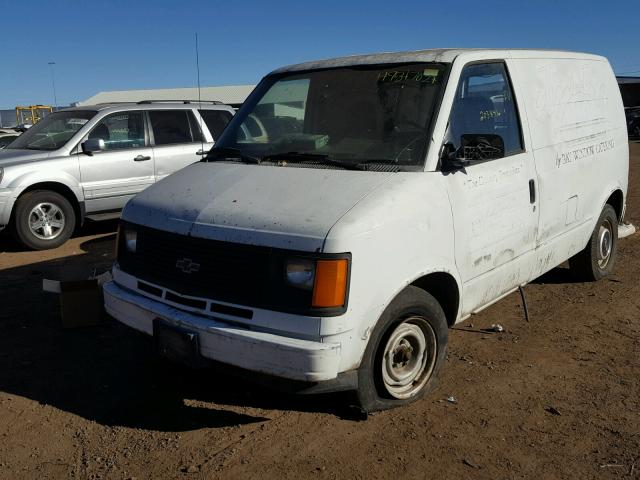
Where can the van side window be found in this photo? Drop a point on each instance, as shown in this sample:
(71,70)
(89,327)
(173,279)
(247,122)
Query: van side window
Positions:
(484,104)
(120,130)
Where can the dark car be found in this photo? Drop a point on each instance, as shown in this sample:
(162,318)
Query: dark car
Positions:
(633,121)
(7,137)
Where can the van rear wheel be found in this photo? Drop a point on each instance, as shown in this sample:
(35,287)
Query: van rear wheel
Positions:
(42,219)
(405,352)
(598,258)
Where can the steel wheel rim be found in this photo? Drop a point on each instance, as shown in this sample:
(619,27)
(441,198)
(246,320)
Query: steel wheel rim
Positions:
(605,243)
(46,221)
(409,357)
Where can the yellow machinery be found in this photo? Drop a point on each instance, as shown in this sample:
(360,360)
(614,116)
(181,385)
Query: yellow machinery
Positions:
(32,114)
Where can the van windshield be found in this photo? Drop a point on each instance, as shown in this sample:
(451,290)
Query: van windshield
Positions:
(355,116)
(53,131)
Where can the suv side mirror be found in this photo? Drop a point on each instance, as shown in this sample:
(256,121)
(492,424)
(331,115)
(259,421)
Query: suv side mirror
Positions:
(93,145)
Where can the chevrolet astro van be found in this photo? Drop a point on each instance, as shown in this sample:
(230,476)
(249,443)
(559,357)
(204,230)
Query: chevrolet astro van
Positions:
(356,208)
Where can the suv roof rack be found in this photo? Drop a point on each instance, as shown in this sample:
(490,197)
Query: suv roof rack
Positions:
(215,102)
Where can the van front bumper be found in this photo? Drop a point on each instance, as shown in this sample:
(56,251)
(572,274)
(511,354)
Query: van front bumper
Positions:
(267,353)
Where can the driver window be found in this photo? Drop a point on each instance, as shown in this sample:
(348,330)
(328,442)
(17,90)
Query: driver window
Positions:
(484,104)
(120,130)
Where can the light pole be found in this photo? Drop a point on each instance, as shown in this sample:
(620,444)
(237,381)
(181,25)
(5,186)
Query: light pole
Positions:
(53,84)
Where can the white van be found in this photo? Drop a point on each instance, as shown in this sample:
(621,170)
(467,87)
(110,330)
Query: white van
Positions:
(382,199)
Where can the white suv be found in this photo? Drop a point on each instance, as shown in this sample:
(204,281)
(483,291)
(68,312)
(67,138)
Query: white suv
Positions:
(89,161)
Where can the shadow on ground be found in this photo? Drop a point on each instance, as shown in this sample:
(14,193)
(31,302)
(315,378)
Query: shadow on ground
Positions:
(9,244)
(109,374)
(557,275)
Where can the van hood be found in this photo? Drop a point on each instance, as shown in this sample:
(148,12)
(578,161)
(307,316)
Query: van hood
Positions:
(10,156)
(280,207)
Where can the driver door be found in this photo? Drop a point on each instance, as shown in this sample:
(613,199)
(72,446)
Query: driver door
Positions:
(495,214)
(124,168)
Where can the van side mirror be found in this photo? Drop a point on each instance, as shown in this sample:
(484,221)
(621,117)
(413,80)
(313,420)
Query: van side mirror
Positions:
(93,145)
(473,148)
(479,147)
(449,160)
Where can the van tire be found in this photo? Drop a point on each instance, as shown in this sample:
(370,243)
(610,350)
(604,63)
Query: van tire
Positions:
(414,320)
(59,217)
(598,258)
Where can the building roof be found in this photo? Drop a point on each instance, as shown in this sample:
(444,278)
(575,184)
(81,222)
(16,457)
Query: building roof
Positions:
(628,80)
(231,95)
(438,55)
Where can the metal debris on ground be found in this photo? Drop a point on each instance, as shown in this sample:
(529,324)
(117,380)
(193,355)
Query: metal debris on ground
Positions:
(626,230)
(553,411)
(469,463)
(451,399)
(496,327)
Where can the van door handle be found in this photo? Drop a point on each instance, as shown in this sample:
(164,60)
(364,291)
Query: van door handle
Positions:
(532,191)
(141,158)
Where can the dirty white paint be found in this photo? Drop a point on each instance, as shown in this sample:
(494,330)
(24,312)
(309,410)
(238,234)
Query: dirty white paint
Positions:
(263,352)
(477,226)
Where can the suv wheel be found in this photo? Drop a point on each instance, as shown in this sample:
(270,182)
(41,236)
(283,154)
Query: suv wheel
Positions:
(42,220)
(405,352)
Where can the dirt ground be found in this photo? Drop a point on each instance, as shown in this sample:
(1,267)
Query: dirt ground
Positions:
(558,397)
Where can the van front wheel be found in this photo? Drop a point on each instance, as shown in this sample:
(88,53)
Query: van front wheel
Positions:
(598,258)
(405,352)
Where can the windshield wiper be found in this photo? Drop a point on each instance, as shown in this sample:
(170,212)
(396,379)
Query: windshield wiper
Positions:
(301,157)
(227,153)
(382,161)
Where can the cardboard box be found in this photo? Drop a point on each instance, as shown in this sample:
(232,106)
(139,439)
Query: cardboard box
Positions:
(81,301)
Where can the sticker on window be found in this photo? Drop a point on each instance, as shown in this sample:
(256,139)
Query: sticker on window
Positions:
(426,76)
(77,121)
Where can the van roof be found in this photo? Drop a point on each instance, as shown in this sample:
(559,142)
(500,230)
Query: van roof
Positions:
(438,55)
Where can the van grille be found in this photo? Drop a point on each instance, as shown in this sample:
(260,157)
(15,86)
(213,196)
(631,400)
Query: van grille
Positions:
(228,272)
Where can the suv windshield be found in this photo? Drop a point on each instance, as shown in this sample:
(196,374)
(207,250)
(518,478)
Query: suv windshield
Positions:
(53,131)
(350,116)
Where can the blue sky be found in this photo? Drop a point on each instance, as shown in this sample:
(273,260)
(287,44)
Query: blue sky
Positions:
(117,45)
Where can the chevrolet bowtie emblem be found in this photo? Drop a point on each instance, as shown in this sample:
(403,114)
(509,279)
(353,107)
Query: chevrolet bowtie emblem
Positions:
(187,265)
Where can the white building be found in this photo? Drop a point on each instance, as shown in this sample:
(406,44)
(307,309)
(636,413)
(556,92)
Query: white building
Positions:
(232,95)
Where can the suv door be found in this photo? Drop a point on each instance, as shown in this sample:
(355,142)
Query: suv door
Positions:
(495,213)
(124,168)
(177,140)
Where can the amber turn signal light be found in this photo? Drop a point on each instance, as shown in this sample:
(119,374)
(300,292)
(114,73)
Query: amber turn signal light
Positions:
(330,287)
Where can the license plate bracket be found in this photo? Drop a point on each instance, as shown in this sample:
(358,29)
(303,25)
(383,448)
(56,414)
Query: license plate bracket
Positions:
(177,344)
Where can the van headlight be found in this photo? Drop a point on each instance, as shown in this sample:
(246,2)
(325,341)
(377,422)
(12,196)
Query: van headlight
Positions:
(300,273)
(327,279)
(130,240)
